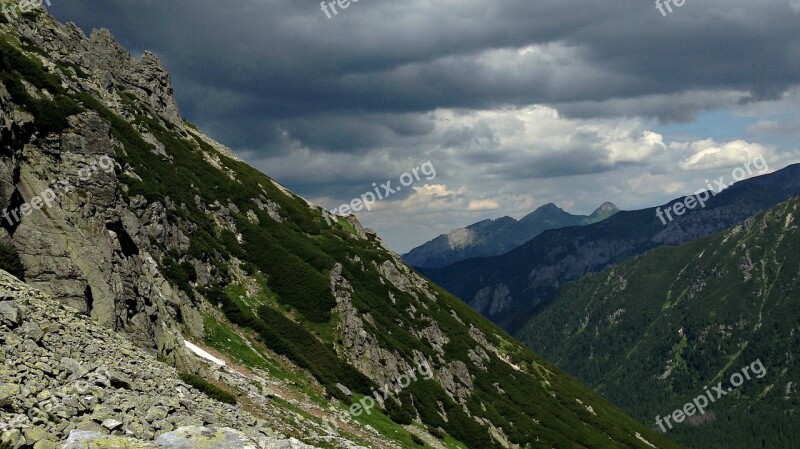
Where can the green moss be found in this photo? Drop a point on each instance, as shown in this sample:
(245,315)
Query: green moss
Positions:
(207,388)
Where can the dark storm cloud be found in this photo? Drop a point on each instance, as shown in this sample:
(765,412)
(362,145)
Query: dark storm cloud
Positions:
(271,76)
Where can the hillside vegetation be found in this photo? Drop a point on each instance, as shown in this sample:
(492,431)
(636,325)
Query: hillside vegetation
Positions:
(651,333)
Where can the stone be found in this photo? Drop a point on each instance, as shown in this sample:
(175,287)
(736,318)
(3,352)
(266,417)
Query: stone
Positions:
(156,414)
(32,331)
(35,434)
(10,314)
(112,424)
(45,444)
(7,393)
(81,439)
(192,437)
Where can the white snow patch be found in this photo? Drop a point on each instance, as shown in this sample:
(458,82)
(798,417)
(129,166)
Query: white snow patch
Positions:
(203,354)
(639,436)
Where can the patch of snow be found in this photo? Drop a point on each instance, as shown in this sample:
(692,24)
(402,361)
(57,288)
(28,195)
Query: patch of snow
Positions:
(203,354)
(639,436)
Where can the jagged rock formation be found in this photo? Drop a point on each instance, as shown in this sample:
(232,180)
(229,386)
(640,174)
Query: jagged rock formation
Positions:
(92,249)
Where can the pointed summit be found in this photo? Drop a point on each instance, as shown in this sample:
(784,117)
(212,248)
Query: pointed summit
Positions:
(605,210)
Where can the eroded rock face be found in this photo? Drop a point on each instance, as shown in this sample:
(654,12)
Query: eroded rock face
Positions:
(362,348)
(87,246)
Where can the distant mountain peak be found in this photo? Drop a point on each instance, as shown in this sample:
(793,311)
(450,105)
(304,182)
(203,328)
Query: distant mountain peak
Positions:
(605,210)
(494,237)
(547,211)
(608,205)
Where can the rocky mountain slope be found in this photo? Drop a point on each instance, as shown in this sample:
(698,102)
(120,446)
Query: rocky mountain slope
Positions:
(62,372)
(495,237)
(128,215)
(508,288)
(650,334)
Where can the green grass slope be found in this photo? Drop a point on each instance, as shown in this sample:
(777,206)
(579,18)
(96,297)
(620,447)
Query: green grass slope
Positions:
(651,333)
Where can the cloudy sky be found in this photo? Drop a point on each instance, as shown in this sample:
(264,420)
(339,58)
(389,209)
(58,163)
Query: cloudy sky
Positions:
(516,103)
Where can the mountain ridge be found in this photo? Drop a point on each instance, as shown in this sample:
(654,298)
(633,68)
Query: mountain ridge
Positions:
(494,237)
(509,288)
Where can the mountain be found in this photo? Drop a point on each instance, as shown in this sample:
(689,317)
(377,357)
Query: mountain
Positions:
(651,333)
(494,237)
(172,293)
(508,288)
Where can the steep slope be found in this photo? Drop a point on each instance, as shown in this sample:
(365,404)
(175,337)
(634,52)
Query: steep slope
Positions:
(651,333)
(494,237)
(508,288)
(131,216)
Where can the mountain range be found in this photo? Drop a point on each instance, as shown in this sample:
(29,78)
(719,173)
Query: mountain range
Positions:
(495,237)
(508,288)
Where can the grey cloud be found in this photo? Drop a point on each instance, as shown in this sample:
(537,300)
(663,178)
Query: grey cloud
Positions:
(356,96)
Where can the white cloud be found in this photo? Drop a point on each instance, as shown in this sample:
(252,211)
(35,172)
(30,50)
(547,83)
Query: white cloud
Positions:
(509,161)
(708,154)
(433,190)
(475,205)
(536,141)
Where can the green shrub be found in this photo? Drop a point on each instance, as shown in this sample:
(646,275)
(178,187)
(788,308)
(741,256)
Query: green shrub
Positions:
(51,116)
(436,432)
(11,59)
(417,440)
(397,413)
(207,388)
(292,340)
(10,261)
(181,274)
